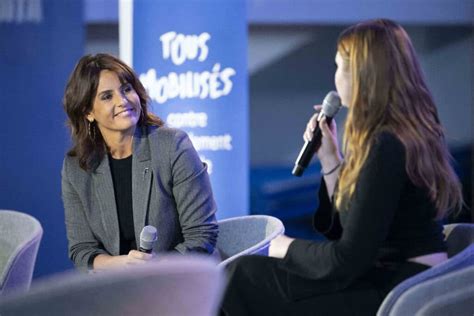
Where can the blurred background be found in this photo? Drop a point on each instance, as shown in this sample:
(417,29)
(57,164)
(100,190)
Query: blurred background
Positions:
(290,54)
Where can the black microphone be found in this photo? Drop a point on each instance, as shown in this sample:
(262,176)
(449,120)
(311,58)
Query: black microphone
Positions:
(148,237)
(331,104)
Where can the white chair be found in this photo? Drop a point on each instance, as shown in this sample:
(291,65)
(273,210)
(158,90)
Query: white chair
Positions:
(246,235)
(20,236)
(454,293)
(171,285)
(415,294)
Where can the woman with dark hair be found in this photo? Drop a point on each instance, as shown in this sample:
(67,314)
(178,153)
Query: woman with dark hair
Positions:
(127,170)
(379,207)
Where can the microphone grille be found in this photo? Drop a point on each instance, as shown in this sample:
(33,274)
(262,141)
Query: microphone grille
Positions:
(331,104)
(148,234)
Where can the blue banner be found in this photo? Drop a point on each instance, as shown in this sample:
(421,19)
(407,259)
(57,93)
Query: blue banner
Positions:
(40,42)
(191,58)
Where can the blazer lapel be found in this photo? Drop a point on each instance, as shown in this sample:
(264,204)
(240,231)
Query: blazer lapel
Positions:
(142,175)
(104,189)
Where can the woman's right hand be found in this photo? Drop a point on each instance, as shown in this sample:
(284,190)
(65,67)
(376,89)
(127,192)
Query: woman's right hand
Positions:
(103,262)
(328,152)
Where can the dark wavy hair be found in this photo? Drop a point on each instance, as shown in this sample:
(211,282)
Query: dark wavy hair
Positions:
(78,100)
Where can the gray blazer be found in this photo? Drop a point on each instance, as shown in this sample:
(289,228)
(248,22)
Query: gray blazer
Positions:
(170,189)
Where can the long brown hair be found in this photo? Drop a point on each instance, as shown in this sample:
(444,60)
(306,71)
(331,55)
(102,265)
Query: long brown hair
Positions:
(389,93)
(81,89)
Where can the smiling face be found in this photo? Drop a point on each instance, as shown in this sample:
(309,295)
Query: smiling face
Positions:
(343,80)
(116,107)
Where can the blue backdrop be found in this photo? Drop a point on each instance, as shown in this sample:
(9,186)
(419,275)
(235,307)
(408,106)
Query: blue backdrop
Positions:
(40,41)
(191,57)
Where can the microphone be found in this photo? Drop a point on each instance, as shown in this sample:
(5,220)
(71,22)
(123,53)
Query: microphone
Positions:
(331,104)
(148,236)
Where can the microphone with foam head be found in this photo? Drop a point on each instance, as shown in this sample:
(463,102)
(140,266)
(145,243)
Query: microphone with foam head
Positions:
(331,104)
(148,237)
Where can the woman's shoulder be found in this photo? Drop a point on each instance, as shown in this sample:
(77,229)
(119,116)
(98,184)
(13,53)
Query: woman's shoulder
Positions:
(70,161)
(387,147)
(386,157)
(165,134)
(71,168)
(387,136)
(388,141)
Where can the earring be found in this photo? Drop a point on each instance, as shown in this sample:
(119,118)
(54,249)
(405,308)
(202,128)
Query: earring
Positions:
(91,131)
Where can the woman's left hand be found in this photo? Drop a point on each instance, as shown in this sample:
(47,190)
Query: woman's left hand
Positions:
(279,246)
(138,255)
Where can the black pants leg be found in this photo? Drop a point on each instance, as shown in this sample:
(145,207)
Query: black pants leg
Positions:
(259,286)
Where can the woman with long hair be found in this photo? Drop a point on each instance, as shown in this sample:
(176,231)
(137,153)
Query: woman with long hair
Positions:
(379,206)
(127,170)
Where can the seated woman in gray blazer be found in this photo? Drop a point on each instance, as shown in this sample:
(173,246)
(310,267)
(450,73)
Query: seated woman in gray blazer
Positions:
(126,170)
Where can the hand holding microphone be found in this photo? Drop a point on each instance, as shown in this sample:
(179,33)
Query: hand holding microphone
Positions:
(329,148)
(318,125)
(148,237)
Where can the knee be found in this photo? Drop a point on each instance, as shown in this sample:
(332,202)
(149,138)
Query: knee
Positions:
(250,270)
(241,267)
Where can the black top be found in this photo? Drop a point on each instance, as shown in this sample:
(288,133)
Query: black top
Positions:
(121,170)
(388,219)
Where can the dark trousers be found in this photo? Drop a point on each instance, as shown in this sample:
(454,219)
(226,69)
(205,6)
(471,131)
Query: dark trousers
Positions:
(259,286)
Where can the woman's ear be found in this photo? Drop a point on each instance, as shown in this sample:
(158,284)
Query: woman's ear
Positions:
(90,117)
